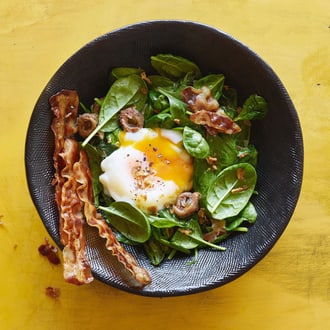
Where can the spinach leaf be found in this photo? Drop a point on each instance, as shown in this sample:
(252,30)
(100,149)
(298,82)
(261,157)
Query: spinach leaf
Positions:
(248,214)
(124,92)
(140,97)
(229,101)
(202,183)
(155,251)
(248,154)
(128,220)
(223,149)
(181,237)
(214,82)
(161,120)
(111,125)
(191,237)
(174,67)
(255,107)
(165,222)
(243,137)
(161,81)
(158,101)
(231,191)
(174,246)
(194,143)
(178,108)
(120,72)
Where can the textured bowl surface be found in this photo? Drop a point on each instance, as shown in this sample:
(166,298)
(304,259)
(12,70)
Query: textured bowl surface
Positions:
(278,139)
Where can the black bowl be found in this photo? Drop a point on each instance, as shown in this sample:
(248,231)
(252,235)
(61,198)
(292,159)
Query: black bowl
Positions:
(278,139)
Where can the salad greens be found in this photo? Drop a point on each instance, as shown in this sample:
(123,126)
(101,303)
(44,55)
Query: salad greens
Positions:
(224,164)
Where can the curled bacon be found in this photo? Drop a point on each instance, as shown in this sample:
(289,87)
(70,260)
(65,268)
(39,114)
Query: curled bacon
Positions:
(215,122)
(207,111)
(95,219)
(76,267)
(199,99)
(64,105)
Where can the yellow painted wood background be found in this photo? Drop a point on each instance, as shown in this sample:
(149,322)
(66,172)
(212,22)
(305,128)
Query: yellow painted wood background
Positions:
(288,289)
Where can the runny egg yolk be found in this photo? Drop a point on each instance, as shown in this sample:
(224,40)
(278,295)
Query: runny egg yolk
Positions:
(149,169)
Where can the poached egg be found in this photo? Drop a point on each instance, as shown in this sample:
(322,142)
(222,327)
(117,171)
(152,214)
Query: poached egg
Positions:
(149,169)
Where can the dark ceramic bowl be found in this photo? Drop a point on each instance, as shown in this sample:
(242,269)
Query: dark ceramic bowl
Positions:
(278,139)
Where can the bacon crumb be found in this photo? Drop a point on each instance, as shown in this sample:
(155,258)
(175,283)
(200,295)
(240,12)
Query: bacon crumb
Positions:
(240,173)
(144,76)
(184,231)
(52,292)
(239,189)
(50,252)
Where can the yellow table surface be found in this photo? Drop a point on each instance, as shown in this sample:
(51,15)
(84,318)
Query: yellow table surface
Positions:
(288,289)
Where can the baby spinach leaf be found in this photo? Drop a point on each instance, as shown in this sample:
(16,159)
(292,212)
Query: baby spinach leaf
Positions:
(174,246)
(165,222)
(128,220)
(140,97)
(248,154)
(158,101)
(243,137)
(123,239)
(223,149)
(214,82)
(255,107)
(174,67)
(229,97)
(191,237)
(121,72)
(231,191)
(229,101)
(203,243)
(184,240)
(162,120)
(111,125)
(124,92)
(155,251)
(194,143)
(200,166)
(248,214)
(178,108)
(202,183)
(161,81)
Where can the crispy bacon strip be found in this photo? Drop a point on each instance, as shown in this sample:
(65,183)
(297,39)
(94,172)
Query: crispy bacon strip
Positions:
(76,267)
(64,105)
(95,219)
